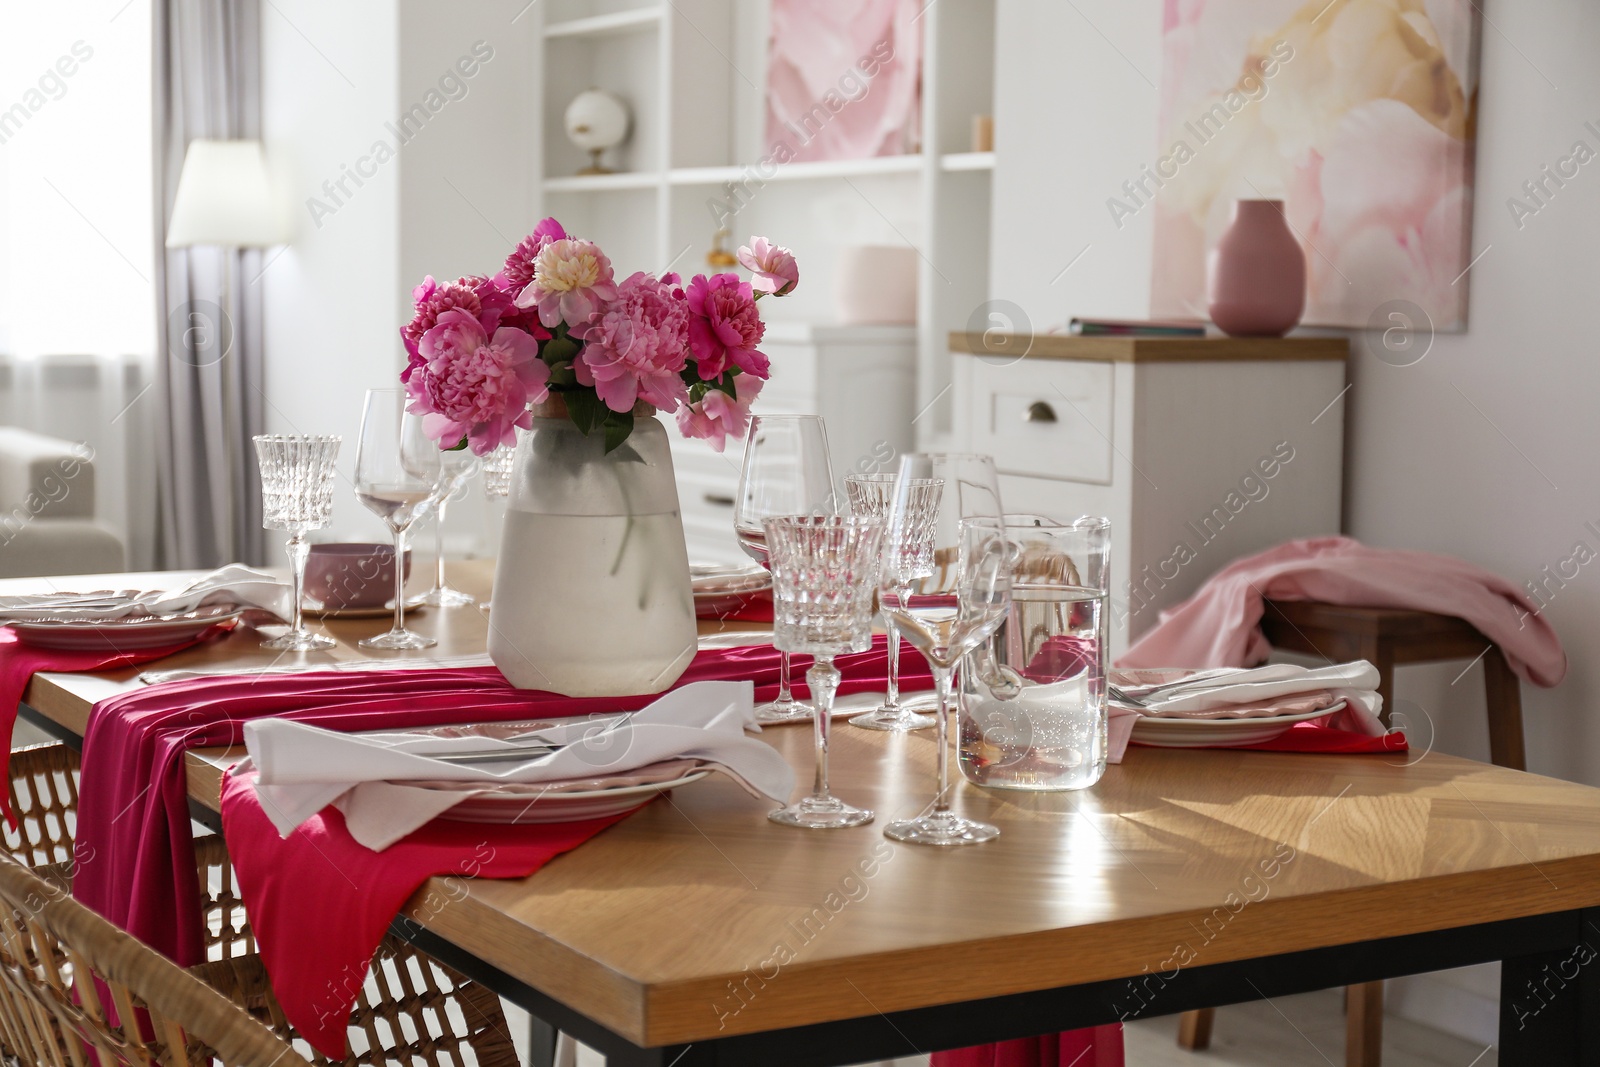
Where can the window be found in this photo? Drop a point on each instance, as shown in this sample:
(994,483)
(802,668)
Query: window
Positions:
(77,241)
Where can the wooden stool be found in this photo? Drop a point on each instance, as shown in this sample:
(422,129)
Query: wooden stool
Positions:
(1386,638)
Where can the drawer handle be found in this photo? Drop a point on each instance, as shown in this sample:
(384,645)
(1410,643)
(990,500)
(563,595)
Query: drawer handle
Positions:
(1039,411)
(721,500)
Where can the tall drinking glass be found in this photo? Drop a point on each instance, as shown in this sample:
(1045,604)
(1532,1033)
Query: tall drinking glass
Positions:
(947,593)
(871,495)
(497,472)
(786,471)
(297,496)
(1033,700)
(457,467)
(822,592)
(398,477)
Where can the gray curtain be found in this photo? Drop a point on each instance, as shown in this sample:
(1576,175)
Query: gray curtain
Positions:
(208,380)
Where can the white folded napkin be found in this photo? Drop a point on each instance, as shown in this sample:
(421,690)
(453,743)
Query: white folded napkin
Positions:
(302,769)
(234,584)
(1211,693)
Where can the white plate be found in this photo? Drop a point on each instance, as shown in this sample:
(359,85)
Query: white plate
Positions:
(131,634)
(1160,732)
(520,807)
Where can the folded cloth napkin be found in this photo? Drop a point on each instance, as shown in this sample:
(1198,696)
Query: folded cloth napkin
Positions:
(234,584)
(302,769)
(135,862)
(1220,624)
(1277,689)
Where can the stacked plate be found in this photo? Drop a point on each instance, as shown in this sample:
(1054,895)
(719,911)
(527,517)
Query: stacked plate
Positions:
(81,629)
(721,588)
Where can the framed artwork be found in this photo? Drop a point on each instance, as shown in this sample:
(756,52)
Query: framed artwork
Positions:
(844,79)
(1359,114)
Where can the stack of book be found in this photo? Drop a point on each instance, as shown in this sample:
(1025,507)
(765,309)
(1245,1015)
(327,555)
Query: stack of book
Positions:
(1082,327)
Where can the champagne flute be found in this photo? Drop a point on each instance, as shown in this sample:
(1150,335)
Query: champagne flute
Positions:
(399,478)
(786,471)
(822,592)
(948,593)
(297,496)
(871,495)
(457,467)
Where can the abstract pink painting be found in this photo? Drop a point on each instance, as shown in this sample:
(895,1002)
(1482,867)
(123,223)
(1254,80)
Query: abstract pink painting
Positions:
(844,79)
(1360,114)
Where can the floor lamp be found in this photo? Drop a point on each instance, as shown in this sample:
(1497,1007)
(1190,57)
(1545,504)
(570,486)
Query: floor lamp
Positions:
(224,200)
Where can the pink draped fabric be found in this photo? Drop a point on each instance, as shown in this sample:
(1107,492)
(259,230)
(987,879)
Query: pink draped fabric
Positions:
(1099,1046)
(136,855)
(1220,625)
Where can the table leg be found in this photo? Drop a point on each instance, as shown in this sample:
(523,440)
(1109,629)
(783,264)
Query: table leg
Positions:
(1363,1025)
(541,1043)
(1550,1004)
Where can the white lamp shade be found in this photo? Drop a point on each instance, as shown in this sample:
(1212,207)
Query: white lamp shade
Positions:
(224,198)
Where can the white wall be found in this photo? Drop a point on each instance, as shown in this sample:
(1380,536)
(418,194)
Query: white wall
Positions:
(453,199)
(332,298)
(1509,488)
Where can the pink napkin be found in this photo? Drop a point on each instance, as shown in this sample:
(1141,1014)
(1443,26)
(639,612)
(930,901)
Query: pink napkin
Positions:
(19,662)
(1099,1046)
(136,855)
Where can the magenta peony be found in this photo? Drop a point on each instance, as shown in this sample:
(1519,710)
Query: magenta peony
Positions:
(476,386)
(718,416)
(571,281)
(772,266)
(519,264)
(725,327)
(432,299)
(637,347)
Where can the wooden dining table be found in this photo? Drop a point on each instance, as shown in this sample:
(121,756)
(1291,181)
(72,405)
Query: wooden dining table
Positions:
(698,933)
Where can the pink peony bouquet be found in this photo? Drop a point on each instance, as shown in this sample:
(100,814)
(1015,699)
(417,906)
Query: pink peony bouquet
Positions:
(555,320)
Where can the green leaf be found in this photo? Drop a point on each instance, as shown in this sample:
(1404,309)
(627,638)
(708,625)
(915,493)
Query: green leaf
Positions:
(618,425)
(560,349)
(457,447)
(586,409)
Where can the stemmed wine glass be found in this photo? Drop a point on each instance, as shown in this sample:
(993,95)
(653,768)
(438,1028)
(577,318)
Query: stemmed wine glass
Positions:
(398,477)
(822,592)
(297,496)
(947,593)
(871,495)
(786,472)
(457,467)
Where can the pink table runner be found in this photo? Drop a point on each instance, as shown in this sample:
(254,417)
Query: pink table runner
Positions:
(136,862)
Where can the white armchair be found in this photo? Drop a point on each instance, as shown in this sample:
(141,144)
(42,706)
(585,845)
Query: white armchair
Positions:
(47,523)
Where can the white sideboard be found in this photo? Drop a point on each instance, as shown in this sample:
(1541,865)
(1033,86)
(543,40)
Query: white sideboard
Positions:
(1199,451)
(861,379)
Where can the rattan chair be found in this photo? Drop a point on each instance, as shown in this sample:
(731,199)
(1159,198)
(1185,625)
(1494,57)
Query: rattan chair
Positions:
(73,989)
(412,1010)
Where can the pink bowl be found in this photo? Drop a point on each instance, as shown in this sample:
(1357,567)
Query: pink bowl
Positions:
(340,576)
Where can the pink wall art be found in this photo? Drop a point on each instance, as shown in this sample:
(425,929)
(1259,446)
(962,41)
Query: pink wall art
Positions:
(844,79)
(1359,114)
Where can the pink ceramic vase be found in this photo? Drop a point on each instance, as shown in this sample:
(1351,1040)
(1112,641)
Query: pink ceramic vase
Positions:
(1256,275)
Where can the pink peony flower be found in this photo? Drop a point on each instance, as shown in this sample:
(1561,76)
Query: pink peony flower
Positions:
(432,299)
(519,264)
(719,416)
(636,348)
(571,281)
(725,327)
(773,266)
(476,386)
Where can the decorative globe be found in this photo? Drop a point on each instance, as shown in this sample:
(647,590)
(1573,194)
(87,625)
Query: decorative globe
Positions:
(596,120)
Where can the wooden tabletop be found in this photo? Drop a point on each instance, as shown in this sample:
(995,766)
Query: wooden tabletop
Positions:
(697,918)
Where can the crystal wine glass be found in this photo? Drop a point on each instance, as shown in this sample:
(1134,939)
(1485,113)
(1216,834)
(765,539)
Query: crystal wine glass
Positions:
(297,496)
(497,472)
(947,593)
(871,495)
(457,467)
(398,477)
(786,472)
(822,593)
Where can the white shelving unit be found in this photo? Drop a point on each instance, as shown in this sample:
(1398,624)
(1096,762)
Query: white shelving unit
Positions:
(693,73)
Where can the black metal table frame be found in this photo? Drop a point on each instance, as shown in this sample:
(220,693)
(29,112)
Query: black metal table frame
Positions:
(1549,994)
